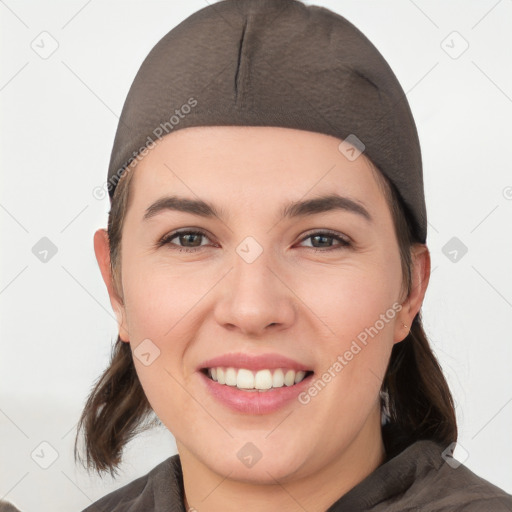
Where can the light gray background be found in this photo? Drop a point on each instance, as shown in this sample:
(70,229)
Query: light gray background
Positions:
(59,116)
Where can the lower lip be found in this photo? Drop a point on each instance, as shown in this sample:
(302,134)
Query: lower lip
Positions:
(255,402)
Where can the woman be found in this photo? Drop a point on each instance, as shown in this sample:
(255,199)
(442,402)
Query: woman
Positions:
(266,260)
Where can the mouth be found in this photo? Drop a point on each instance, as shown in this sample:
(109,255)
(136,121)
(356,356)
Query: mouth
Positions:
(262,380)
(255,392)
(254,383)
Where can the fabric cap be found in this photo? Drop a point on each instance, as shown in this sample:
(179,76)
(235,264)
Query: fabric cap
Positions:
(274,63)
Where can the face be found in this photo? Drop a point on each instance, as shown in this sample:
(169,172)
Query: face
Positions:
(263,299)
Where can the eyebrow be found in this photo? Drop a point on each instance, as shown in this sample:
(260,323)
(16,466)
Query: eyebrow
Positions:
(321,204)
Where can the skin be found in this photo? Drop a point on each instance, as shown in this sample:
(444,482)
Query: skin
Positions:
(303,304)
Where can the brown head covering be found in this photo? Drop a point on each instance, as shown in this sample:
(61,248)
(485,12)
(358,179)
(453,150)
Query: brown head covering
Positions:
(274,63)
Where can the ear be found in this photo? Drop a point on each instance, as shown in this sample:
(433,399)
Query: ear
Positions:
(420,275)
(102,251)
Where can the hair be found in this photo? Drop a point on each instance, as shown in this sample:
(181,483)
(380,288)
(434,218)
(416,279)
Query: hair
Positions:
(419,400)
(117,408)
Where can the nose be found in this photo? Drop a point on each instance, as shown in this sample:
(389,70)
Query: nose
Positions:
(254,297)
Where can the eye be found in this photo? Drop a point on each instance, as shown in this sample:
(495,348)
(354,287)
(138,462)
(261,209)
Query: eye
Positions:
(190,240)
(323,238)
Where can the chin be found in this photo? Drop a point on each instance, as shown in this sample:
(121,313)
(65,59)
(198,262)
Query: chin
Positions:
(257,463)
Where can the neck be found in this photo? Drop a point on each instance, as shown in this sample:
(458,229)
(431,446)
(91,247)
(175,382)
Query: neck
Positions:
(207,491)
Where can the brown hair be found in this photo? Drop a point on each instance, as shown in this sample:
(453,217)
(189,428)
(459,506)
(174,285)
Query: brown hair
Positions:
(117,408)
(420,402)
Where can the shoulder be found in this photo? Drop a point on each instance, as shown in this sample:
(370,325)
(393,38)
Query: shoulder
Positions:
(159,489)
(443,484)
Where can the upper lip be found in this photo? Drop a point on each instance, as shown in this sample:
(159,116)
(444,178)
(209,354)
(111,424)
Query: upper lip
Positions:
(253,362)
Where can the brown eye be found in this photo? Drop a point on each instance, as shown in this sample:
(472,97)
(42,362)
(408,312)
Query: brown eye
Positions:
(187,240)
(190,241)
(322,241)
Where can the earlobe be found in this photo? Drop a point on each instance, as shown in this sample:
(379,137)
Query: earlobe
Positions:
(420,275)
(102,252)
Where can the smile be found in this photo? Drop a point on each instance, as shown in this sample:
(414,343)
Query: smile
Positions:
(261,380)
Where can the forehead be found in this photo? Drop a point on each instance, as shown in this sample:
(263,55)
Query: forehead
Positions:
(252,166)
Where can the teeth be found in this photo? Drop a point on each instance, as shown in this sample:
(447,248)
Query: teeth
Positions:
(289,378)
(263,379)
(299,376)
(244,379)
(260,380)
(278,379)
(231,377)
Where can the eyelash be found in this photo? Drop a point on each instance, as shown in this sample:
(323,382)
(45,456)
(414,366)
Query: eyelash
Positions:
(344,242)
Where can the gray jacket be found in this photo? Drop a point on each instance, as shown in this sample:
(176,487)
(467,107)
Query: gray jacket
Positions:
(419,479)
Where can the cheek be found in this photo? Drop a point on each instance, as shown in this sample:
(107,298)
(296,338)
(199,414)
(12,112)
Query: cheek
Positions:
(357,306)
(159,296)
(353,296)
(162,304)
(352,364)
